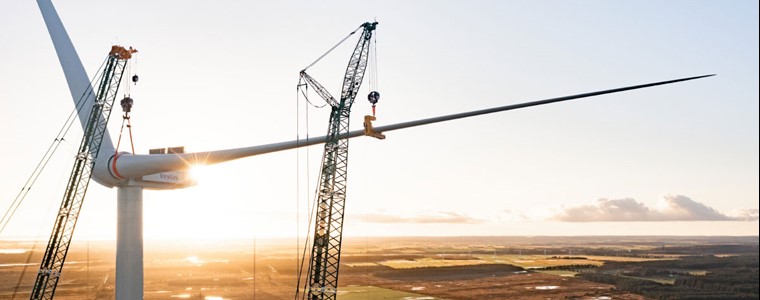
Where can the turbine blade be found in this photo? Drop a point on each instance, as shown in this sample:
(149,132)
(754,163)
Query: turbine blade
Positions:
(136,166)
(76,76)
(526,104)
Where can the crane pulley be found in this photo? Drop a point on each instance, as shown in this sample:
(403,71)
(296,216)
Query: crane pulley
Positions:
(373,97)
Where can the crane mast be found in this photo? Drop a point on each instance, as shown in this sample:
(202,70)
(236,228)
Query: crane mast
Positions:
(331,194)
(66,219)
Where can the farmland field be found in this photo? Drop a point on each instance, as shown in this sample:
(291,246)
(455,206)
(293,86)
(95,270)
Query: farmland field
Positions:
(372,292)
(409,268)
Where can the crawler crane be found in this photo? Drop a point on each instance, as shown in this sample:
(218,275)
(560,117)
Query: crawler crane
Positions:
(68,214)
(324,260)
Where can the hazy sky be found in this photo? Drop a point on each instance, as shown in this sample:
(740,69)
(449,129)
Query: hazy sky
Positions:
(673,160)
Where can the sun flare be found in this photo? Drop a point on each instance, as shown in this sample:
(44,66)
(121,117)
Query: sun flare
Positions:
(199,172)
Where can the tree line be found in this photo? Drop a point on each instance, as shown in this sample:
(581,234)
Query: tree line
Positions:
(733,277)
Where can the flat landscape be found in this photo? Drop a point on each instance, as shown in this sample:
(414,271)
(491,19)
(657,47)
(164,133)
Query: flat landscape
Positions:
(414,268)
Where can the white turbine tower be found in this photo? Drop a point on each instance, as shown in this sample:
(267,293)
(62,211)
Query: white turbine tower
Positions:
(127,172)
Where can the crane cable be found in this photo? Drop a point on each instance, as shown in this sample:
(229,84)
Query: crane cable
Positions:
(374,81)
(309,208)
(301,89)
(298,180)
(59,138)
(126,105)
(300,80)
(331,49)
(21,196)
(298,177)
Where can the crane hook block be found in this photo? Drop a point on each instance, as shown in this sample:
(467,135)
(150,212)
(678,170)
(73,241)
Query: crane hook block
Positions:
(373,97)
(126,104)
(369,130)
(135,78)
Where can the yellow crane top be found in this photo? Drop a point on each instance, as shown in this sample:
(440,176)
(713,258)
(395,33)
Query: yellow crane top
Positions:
(121,52)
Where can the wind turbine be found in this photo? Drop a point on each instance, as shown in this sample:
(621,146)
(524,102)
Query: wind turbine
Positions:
(130,173)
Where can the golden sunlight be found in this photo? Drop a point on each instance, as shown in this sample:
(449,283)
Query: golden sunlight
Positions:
(199,173)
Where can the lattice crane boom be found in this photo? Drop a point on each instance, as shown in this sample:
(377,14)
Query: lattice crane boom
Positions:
(324,260)
(79,180)
(321,90)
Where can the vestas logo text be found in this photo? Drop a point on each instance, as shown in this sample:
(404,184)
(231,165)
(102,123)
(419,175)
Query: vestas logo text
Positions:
(169,176)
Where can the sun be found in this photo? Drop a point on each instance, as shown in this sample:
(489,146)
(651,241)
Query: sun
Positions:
(199,173)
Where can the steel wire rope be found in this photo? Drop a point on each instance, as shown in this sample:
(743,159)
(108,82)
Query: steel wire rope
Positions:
(126,118)
(331,49)
(374,80)
(312,209)
(28,263)
(47,156)
(298,179)
(317,60)
(301,256)
(129,71)
(21,196)
(254,265)
(87,285)
(311,212)
(304,86)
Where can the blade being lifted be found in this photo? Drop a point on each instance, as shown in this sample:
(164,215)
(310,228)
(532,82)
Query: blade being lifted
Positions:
(135,166)
(112,170)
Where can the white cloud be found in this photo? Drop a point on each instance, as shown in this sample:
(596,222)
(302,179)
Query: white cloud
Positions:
(509,215)
(747,214)
(675,208)
(419,218)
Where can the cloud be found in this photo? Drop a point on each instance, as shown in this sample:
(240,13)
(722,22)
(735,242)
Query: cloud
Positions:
(512,216)
(675,208)
(747,214)
(420,218)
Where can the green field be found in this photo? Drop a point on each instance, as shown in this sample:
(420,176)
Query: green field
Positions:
(670,281)
(562,273)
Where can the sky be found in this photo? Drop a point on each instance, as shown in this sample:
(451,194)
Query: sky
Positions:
(680,159)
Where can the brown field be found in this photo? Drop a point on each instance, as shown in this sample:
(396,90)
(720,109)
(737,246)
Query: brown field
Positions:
(430,263)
